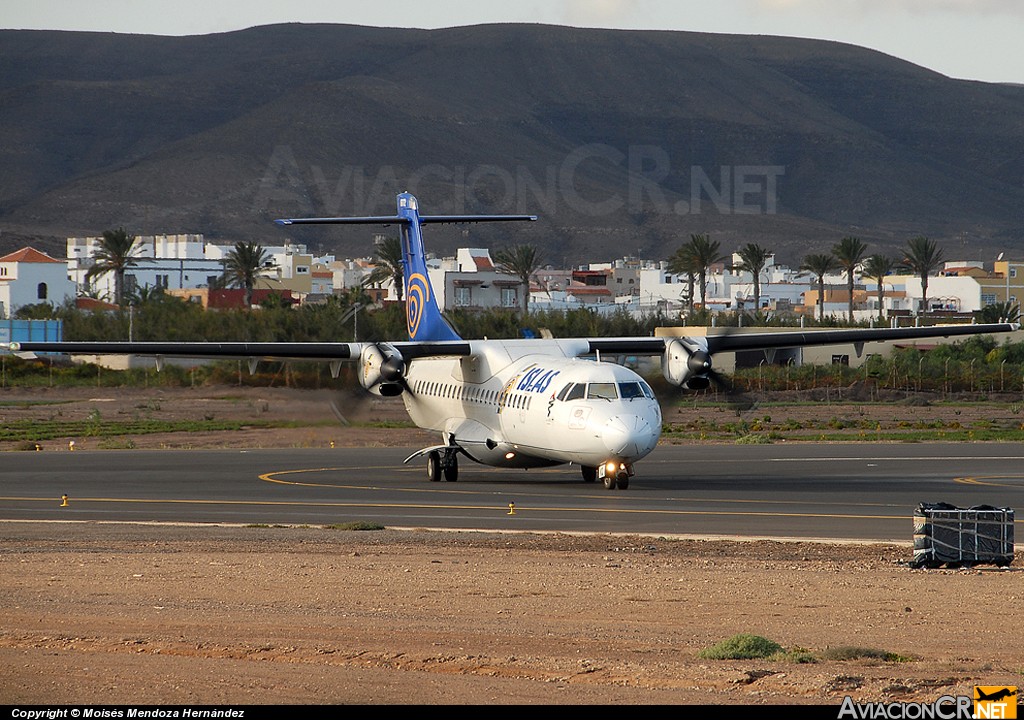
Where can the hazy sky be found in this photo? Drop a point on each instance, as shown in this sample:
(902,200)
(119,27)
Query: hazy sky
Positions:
(973,39)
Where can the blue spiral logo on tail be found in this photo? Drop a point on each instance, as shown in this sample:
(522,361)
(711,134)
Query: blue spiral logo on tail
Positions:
(416,299)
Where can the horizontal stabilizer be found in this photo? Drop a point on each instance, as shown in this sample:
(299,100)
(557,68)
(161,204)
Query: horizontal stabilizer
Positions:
(400,220)
(368,220)
(455,219)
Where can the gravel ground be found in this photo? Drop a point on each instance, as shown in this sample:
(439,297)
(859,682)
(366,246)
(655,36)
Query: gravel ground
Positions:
(158,614)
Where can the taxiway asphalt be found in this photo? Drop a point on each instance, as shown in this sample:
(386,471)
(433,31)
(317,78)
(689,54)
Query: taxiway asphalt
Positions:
(840,491)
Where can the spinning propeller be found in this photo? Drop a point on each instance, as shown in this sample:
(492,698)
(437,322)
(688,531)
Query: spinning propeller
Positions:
(687,363)
(381,373)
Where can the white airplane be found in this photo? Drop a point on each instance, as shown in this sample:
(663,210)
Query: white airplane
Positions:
(523,403)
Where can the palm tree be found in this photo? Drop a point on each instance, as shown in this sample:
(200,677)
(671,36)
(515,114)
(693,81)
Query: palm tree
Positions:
(244,265)
(115,254)
(521,261)
(1000,312)
(848,253)
(389,266)
(922,257)
(705,252)
(753,258)
(820,265)
(682,263)
(877,267)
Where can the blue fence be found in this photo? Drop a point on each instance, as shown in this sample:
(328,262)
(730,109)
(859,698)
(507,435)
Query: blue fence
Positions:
(30,330)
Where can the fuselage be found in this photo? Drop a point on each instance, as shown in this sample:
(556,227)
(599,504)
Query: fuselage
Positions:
(526,404)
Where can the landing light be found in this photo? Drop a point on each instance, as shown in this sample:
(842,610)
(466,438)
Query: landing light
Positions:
(612,467)
(509,455)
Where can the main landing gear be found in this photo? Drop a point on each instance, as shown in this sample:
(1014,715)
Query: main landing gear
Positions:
(613,474)
(444,462)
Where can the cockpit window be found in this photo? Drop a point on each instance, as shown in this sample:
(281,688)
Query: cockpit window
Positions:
(647,390)
(563,391)
(575,392)
(601,391)
(630,391)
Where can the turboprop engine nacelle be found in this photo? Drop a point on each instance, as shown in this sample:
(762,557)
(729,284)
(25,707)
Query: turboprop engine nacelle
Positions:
(687,363)
(382,370)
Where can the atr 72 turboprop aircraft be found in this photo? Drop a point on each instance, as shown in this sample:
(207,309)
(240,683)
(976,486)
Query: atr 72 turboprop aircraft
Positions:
(523,403)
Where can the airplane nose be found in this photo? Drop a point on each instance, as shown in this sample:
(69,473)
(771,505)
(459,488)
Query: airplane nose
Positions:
(629,436)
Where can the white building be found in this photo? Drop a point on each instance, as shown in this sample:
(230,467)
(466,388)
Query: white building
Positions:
(169,262)
(30,277)
(470,281)
(348,274)
(186,261)
(727,290)
(289,267)
(322,280)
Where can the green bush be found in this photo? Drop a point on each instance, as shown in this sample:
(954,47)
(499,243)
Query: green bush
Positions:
(850,652)
(741,647)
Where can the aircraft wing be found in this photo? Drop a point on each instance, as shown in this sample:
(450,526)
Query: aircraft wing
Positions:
(733,341)
(312,351)
(758,341)
(409,350)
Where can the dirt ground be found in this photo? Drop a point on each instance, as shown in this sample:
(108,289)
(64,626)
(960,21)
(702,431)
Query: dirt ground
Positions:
(373,421)
(95,613)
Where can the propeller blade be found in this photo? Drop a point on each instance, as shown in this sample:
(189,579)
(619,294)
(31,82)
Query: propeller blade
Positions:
(736,399)
(353,405)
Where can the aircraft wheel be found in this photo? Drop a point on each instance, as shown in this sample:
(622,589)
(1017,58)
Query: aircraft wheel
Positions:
(609,482)
(433,466)
(589,473)
(623,481)
(451,470)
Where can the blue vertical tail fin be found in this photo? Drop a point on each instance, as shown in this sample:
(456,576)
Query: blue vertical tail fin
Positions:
(423,317)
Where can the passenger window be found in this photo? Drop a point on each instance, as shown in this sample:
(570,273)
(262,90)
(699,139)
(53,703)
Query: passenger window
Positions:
(601,391)
(576,392)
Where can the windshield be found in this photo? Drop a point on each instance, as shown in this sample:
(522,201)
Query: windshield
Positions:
(575,392)
(601,391)
(630,391)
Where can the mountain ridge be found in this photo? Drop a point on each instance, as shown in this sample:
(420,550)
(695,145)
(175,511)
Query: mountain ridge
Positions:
(623,141)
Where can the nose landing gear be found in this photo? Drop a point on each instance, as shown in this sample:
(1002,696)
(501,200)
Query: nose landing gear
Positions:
(615,475)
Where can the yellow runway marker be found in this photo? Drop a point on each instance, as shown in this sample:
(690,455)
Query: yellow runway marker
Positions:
(440,489)
(987,480)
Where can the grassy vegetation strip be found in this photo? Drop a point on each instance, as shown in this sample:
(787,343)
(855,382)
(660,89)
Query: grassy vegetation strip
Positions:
(746,646)
(36,430)
(998,427)
(888,435)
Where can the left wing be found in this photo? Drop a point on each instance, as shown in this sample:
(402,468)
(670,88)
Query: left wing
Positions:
(734,342)
(686,361)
